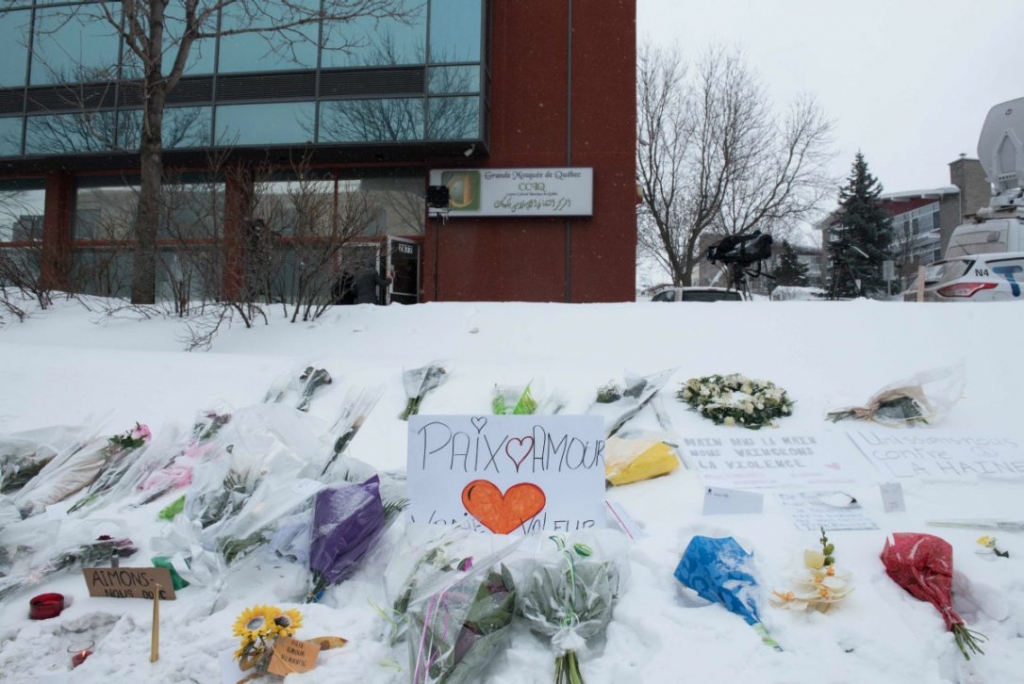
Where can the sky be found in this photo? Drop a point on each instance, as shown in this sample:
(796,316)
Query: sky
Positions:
(108,367)
(908,82)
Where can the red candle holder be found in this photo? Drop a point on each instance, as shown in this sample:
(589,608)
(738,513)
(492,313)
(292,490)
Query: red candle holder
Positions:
(45,606)
(79,653)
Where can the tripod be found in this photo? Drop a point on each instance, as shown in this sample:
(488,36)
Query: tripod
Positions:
(841,268)
(738,272)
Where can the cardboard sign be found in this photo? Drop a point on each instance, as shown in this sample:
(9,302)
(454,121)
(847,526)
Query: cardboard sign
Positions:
(507,474)
(925,454)
(743,459)
(722,501)
(293,655)
(812,511)
(129,582)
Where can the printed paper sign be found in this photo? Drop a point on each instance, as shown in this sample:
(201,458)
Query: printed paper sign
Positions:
(892,497)
(813,511)
(907,454)
(292,655)
(518,192)
(129,582)
(743,459)
(722,501)
(507,474)
(625,521)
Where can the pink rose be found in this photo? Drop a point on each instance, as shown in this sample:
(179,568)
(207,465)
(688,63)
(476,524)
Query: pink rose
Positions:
(141,432)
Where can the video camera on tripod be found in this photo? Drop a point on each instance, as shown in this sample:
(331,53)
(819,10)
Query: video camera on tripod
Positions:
(739,253)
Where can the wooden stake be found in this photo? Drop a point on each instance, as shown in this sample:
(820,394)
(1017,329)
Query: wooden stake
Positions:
(154,652)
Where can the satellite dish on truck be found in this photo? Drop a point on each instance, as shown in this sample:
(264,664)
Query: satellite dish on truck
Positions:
(1001,152)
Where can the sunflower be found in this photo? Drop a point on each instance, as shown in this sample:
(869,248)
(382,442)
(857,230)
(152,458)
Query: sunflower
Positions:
(287,621)
(255,623)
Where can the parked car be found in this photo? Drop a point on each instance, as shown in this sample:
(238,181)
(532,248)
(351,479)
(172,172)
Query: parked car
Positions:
(697,294)
(991,277)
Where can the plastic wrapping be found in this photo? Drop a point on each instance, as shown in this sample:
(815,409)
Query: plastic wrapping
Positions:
(721,571)
(458,628)
(926,398)
(520,400)
(419,382)
(633,460)
(617,405)
(67,473)
(24,454)
(567,590)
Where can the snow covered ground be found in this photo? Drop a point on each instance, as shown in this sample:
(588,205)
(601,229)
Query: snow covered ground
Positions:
(68,366)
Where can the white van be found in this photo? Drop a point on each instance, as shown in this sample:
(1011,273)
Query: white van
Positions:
(987,237)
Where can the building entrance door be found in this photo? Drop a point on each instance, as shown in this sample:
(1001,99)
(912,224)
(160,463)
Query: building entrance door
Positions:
(403,259)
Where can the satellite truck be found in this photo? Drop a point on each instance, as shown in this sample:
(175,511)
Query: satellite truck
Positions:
(999,227)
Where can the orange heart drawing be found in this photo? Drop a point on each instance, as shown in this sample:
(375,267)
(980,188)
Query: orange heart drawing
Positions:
(502,513)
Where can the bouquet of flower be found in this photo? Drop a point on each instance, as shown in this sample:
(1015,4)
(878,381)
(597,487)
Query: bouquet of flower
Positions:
(117,465)
(617,405)
(819,585)
(736,400)
(76,468)
(720,571)
(258,628)
(923,565)
(346,523)
(167,474)
(513,401)
(104,550)
(989,549)
(924,398)
(357,407)
(458,629)
(568,596)
(309,381)
(418,383)
(24,454)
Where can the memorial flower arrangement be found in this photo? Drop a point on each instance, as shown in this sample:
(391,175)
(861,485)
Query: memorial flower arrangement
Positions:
(116,463)
(102,551)
(258,628)
(456,629)
(923,565)
(988,547)
(418,383)
(568,595)
(819,585)
(513,401)
(736,400)
(719,570)
(922,399)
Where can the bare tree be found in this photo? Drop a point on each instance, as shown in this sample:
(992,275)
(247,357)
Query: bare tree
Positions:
(713,159)
(160,36)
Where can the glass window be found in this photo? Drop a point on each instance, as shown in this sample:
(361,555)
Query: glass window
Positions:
(10,136)
(103,271)
(21,209)
(183,127)
(269,49)
(367,41)
(453,118)
(266,124)
(67,133)
(14,27)
(200,55)
(455,31)
(74,44)
(104,209)
(456,79)
(371,120)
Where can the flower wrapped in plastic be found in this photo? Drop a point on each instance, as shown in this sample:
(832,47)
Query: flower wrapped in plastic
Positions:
(525,401)
(618,405)
(24,454)
(76,468)
(172,469)
(459,626)
(122,456)
(419,382)
(924,398)
(346,522)
(72,547)
(719,570)
(567,592)
(923,565)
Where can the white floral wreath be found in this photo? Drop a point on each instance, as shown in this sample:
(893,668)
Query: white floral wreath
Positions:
(736,400)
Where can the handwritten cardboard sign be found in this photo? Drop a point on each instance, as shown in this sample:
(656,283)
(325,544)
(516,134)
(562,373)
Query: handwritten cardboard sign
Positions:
(507,474)
(293,655)
(925,454)
(741,459)
(128,582)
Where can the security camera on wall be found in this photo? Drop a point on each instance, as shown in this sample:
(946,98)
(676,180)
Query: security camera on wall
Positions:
(438,198)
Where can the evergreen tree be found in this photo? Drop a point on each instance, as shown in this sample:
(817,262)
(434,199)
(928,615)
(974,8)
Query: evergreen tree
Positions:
(790,271)
(861,238)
